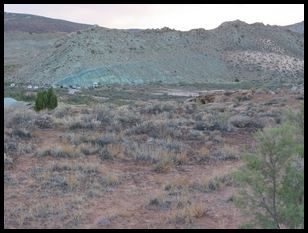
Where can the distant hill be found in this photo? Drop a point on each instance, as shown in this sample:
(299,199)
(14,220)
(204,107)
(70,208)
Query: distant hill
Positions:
(39,24)
(297,27)
(233,51)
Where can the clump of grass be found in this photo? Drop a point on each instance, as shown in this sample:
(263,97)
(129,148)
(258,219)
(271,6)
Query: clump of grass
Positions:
(177,186)
(105,140)
(188,214)
(226,153)
(163,166)
(83,123)
(72,182)
(110,179)
(202,154)
(212,184)
(160,202)
(147,127)
(64,151)
(84,168)
(88,149)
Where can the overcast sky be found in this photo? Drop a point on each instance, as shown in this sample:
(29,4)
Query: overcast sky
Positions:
(176,16)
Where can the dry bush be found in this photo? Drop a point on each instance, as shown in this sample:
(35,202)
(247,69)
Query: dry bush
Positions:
(226,153)
(82,122)
(62,111)
(188,214)
(157,108)
(177,186)
(17,118)
(64,151)
(210,184)
(240,121)
(44,122)
(21,133)
(110,179)
(154,153)
(87,149)
(163,166)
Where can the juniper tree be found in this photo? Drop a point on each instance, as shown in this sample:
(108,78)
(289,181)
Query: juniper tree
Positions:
(273,179)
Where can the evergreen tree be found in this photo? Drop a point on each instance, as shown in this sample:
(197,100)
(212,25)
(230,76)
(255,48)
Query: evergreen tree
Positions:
(273,178)
(46,99)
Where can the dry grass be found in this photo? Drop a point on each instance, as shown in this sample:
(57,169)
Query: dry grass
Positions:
(62,151)
(188,214)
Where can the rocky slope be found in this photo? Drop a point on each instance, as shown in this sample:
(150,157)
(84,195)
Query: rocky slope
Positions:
(33,23)
(234,50)
(297,27)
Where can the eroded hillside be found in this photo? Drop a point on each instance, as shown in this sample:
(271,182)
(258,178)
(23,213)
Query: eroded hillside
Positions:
(234,50)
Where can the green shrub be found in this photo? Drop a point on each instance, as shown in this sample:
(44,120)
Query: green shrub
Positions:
(46,99)
(274,175)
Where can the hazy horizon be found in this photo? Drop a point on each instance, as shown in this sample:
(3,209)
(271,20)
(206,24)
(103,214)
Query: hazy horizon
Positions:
(176,16)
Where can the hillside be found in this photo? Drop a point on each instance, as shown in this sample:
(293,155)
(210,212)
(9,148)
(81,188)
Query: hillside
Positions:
(297,27)
(32,23)
(234,50)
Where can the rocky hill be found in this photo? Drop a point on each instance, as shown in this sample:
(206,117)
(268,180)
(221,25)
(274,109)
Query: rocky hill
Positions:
(297,27)
(233,51)
(33,23)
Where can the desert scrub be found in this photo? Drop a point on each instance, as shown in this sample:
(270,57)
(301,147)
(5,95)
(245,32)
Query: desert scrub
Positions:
(82,122)
(155,153)
(208,184)
(161,202)
(25,148)
(64,151)
(225,153)
(105,140)
(19,118)
(21,133)
(157,108)
(85,168)
(44,122)
(110,179)
(177,186)
(62,111)
(126,116)
(102,114)
(8,161)
(223,121)
(48,214)
(147,127)
(201,155)
(88,149)
(240,121)
(13,147)
(188,214)
(163,166)
(111,152)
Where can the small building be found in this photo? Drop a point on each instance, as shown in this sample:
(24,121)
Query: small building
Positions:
(35,87)
(29,86)
(12,85)
(95,84)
